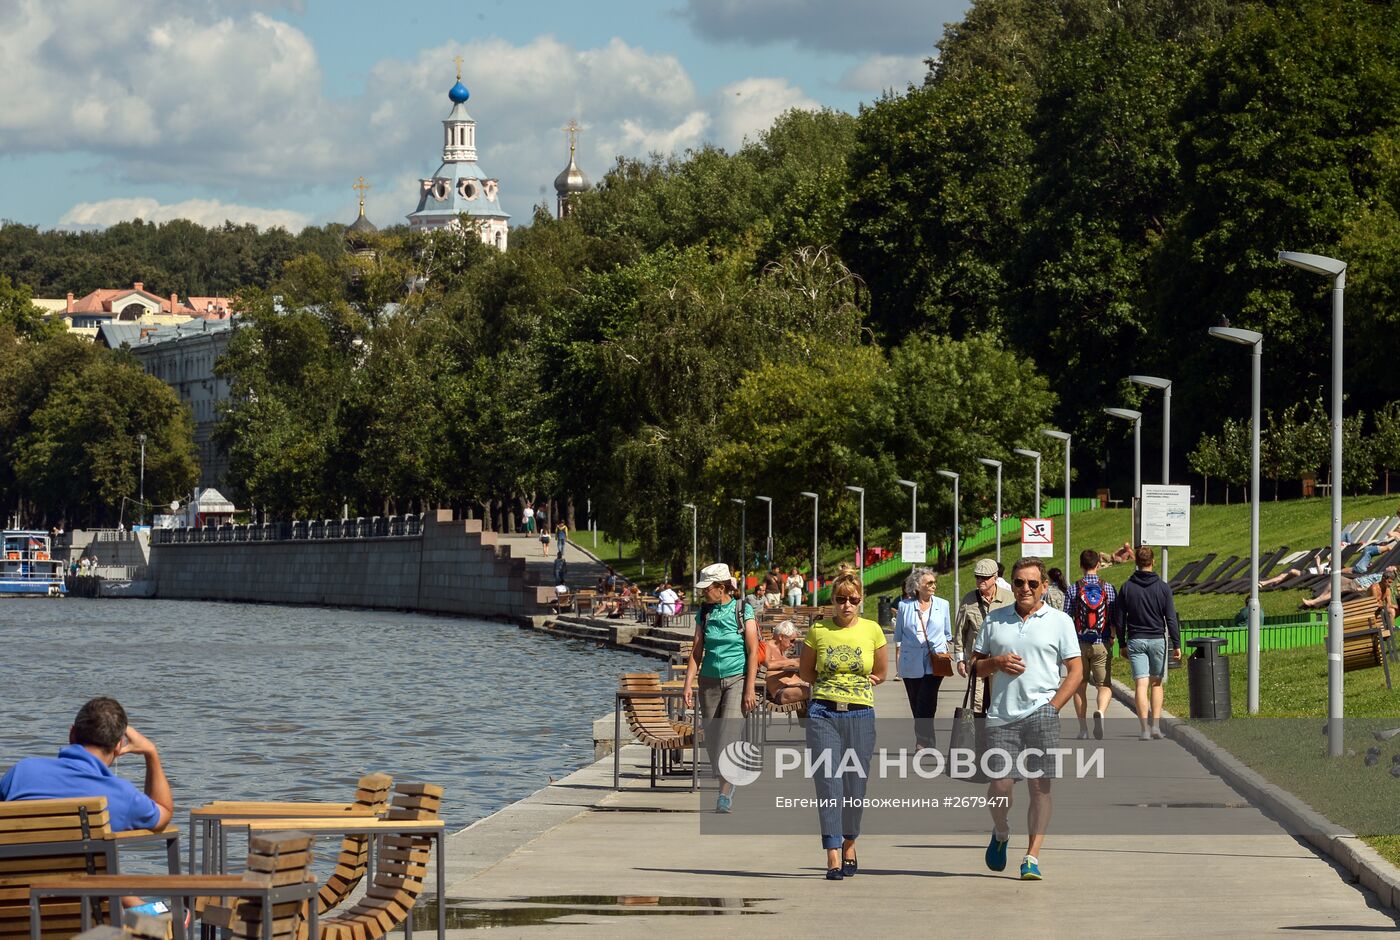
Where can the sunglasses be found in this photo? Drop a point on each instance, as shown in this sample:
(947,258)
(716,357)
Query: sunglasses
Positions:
(1022,582)
(846,600)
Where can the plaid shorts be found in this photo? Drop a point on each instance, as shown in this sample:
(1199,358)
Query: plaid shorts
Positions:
(1039,731)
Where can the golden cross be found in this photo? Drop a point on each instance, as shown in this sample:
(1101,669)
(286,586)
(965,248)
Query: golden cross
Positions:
(362,187)
(573,128)
(458,60)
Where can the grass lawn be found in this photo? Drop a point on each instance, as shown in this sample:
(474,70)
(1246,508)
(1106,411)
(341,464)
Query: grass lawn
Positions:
(1284,742)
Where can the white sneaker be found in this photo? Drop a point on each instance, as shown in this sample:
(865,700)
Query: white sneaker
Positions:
(1157,733)
(1145,736)
(1083,734)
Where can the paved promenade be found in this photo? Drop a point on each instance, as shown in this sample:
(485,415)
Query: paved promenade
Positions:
(577,859)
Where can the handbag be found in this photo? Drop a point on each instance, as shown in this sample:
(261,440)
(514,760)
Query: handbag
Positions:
(970,726)
(942,663)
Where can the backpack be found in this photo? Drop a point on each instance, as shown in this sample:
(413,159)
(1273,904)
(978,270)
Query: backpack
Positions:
(1088,613)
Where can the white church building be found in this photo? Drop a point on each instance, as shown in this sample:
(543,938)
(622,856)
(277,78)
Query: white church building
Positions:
(459,187)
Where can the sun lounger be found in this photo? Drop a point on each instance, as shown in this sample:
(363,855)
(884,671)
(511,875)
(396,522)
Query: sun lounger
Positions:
(1190,572)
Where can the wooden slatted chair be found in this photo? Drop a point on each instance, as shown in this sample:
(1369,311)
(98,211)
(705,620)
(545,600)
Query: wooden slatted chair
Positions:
(371,796)
(398,878)
(275,859)
(42,839)
(649,719)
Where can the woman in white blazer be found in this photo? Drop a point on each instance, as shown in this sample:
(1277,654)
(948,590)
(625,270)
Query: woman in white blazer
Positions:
(922,626)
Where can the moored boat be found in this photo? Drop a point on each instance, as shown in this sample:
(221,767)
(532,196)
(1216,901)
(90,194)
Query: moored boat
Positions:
(27,566)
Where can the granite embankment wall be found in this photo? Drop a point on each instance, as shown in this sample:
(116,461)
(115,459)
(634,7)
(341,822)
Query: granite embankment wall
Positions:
(453,567)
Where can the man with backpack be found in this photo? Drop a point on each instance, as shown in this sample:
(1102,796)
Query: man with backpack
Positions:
(1093,606)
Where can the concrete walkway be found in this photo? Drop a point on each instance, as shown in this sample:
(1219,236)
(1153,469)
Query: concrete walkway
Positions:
(577,859)
(584,568)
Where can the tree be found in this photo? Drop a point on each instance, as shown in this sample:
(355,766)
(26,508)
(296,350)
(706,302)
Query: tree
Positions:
(80,460)
(18,313)
(1385,441)
(1358,456)
(1205,459)
(937,179)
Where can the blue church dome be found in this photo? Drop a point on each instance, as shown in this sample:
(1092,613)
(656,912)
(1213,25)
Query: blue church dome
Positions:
(459,93)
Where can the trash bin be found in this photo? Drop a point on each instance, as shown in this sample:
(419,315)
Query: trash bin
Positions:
(1208,679)
(885,613)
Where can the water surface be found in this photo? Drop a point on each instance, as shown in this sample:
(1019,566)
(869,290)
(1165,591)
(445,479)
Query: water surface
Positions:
(266,702)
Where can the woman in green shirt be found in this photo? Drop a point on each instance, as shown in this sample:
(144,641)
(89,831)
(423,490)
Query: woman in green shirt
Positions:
(725,654)
(844,657)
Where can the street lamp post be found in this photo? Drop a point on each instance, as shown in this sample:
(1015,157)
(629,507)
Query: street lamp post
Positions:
(997,464)
(1067,438)
(1337,271)
(694,547)
(1256,342)
(768,547)
(957,536)
(1128,414)
(860,546)
(1152,381)
(1034,455)
(743,543)
(141,438)
(816,502)
(913,503)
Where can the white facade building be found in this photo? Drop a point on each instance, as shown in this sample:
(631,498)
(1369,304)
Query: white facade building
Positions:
(183,357)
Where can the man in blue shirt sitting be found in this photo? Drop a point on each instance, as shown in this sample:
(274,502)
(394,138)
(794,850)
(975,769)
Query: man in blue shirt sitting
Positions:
(98,737)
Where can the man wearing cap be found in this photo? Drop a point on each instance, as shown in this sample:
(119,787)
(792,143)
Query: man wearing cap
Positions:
(972,612)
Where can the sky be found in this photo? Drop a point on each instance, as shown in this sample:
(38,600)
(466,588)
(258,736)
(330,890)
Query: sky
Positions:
(266,111)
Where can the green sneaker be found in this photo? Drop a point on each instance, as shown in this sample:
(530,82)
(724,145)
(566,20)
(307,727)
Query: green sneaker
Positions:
(996,853)
(1030,868)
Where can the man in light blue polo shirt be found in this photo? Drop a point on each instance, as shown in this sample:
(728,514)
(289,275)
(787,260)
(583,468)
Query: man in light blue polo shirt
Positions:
(98,737)
(1022,648)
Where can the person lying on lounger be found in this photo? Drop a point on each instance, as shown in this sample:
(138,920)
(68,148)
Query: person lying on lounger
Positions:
(1376,584)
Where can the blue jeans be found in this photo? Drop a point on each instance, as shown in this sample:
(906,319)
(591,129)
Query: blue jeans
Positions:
(837,732)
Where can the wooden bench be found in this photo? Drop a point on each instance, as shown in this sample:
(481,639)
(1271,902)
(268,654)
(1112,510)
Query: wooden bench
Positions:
(402,866)
(45,839)
(371,801)
(275,892)
(1367,636)
(1364,649)
(649,720)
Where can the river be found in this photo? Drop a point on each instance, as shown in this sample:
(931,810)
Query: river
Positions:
(250,701)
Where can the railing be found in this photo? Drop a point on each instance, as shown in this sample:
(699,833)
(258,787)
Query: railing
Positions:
(1283,632)
(373,527)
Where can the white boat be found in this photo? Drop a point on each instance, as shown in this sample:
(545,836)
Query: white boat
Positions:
(27,566)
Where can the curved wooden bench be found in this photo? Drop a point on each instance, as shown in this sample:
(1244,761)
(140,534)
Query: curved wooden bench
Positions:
(398,878)
(649,720)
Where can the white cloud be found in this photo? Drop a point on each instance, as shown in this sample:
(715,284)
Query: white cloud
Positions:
(881,72)
(224,100)
(888,26)
(747,107)
(208,212)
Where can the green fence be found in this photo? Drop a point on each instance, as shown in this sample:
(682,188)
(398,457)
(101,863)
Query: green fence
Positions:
(1283,632)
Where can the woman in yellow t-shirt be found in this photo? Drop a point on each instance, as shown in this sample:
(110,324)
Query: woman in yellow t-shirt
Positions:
(843,657)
